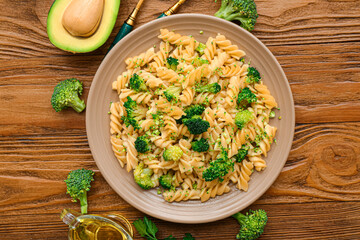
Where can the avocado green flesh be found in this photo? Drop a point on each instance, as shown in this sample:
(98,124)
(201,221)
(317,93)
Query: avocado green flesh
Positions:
(62,39)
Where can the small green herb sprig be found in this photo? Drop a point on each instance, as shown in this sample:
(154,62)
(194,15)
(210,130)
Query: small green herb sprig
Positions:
(147,229)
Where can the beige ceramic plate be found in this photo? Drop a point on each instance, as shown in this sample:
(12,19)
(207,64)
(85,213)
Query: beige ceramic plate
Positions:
(97,119)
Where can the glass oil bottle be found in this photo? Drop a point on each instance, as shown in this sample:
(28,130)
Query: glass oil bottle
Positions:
(97,227)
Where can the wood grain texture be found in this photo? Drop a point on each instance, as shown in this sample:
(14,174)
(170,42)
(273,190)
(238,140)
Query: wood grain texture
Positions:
(317,222)
(316,196)
(322,168)
(292,22)
(316,100)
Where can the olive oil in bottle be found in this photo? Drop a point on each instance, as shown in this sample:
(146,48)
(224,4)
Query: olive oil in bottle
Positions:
(96,227)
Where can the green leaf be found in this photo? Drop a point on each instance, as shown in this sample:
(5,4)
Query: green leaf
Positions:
(140,227)
(150,227)
(170,238)
(188,236)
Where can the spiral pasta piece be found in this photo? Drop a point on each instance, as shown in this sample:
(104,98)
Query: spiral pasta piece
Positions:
(162,142)
(210,49)
(209,115)
(245,172)
(170,127)
(195,75)
(160,57)
(204,98)
(265,96)
(184,163)
(139,97)
(235,69)
(115,116)
(122,80)
(173,111)
(181,195)
(174,38)
(140,60)
(146,125)
(231,49)
(131,154)
(218,62)
(258,163)
(150,79)
(187,96)
(217,190)
(119,150)
(233,90)
(169,75)
(223,116)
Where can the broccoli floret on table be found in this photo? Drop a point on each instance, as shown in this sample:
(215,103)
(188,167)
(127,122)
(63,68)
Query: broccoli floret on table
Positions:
(172,63)
(188,236)
(78,183)
(245,98)
(201,145)
(212,88)
(137,83)
(134,112)
(252,224)
(143,176)
(174,153)
(66,94)
(243,11)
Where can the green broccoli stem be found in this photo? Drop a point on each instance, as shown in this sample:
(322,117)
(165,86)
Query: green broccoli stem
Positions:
(239,217)
(234,16)
(77,104)
(224,10)
(202,88)
(149,237)
(83,203)
(245,22)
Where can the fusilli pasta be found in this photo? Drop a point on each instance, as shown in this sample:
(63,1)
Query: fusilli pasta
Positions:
(154,101)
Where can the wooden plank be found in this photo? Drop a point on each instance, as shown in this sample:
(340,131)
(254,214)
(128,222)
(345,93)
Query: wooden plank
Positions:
(318,63)
(48,71)
(321,102)
(309,64)
(34,107)
(316,100)
(322,167)
(318,221)
(316,42)
(326,102)
(280,23)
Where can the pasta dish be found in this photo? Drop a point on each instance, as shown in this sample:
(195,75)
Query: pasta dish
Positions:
(192,118)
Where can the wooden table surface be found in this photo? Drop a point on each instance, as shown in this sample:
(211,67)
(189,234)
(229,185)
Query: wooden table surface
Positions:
(317,195)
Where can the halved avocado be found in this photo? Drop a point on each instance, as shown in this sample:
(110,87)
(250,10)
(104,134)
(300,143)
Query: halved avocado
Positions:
(62,39)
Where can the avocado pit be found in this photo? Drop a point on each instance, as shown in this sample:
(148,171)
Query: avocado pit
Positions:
(81,18)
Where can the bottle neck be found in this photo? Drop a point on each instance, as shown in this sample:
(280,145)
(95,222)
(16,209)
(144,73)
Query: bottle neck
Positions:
(69,217)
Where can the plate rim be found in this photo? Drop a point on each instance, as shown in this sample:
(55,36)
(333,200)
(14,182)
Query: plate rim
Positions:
(88,120)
